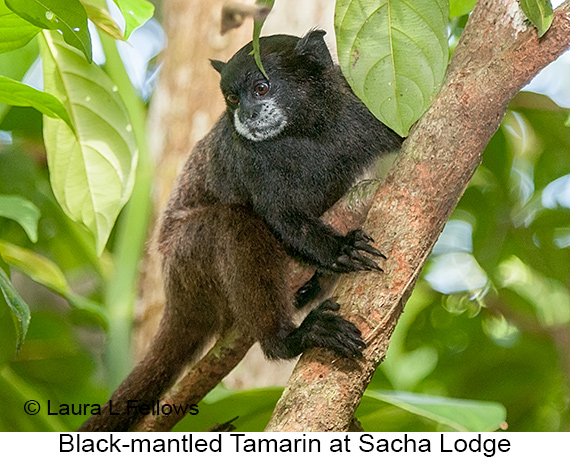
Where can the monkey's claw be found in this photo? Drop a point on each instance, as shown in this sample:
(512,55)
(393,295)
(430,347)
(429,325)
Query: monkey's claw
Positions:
(331,331)
(359,234)
(351,259)
(360,239)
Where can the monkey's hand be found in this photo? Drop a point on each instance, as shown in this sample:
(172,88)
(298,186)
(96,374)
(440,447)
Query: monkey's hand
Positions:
(317,243)
(351,259)
(322,328)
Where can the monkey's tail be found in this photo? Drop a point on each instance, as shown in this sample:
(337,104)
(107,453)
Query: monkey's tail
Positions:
(165,359)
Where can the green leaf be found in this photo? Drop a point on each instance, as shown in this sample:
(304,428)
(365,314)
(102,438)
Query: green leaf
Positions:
(257,26)
(462,415)
(15,93)
(92,175)
(23,211)
(394,55)
(18,308)
(460,7)
(253,408)
(539,12)
(103,20)
(135,12)
(15,63)
(68,17)
(48,274)
(15,32)
(45,272)
(36,266)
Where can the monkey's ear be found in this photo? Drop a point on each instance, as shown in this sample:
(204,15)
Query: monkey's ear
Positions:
(218,65)
(313,46)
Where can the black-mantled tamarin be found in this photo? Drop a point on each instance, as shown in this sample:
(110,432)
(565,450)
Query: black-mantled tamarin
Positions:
(251,193)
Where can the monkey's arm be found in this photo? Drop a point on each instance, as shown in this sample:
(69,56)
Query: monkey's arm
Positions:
(315,242)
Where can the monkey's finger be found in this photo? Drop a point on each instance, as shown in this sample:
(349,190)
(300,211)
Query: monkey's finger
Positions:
(352,344)
(361,246)
(345,264)
(347,339)
(329,305)
(360,235)
(349,350)
(367,263)
(354,261)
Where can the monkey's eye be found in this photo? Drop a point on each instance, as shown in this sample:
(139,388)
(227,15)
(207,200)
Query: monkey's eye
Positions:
(232,98)
(261,89)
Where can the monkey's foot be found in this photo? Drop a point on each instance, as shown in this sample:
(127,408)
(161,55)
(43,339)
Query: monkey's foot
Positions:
(323,328)
(351,259)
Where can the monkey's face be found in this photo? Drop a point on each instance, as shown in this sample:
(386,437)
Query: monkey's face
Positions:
(255,110)
(262,109)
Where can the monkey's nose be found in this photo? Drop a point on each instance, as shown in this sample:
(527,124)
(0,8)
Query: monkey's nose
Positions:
(253,112)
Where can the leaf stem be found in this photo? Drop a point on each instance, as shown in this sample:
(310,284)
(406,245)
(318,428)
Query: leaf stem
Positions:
(132,229)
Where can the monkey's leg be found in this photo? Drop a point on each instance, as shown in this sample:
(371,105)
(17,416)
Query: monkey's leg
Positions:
(263,304)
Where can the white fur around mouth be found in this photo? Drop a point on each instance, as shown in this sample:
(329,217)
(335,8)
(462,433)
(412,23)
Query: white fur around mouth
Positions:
(270,123)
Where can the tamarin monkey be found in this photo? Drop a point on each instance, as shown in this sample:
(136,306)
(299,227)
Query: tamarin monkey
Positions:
(251,193)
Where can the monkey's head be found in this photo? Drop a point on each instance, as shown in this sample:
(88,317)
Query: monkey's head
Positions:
(290,98)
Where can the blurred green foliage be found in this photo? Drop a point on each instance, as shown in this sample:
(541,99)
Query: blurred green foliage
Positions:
(78,293)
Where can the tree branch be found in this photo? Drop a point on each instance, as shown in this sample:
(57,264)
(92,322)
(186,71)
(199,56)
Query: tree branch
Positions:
(497,55)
